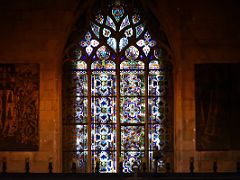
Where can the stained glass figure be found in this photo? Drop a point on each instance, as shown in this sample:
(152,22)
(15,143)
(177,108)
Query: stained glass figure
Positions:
(132,65)
(112,42)
(123,43)
(128,32)
(139,29)
(103,53)
(147,43)
(103,65)
(89,43)
(135,18)
(95,29)
(104,110)
(106,32)
(132,53)
(110,23)
(125,23)
(132,83)
(132,110)
(117,12)
(99,18)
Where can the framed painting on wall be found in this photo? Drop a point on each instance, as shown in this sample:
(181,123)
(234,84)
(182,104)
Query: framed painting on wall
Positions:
(19,107)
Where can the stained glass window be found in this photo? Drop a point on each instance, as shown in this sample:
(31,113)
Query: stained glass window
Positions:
(116,94)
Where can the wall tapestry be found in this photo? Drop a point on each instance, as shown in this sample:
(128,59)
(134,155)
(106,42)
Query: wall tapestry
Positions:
(217,100)
(19,107)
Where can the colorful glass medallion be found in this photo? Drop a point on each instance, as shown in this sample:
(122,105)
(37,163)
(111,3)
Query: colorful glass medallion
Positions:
(132,53)
(132,110)
(95,29)
(110,23)
(132,138)
(106,32)
(103,110)
(132,83)
(112,42)
(99,18)
(125,23)
(128,32)
(139,30)
(117,12)
(103,53)
(103,84)
(123,43)
(135,18)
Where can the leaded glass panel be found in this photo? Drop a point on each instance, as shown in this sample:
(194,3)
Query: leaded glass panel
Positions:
(129,158)
(103,110)
(132,110)
(107,161)
(132,83)
(156,109)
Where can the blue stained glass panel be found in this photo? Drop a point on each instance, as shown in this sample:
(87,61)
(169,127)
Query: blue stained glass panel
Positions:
(156,109)
(125,23)
(78,86)
(132,53)
(104,84)
(103,137)
(132,110)
(132,83)
(107,161)
(110,23)
(103,110)
(129,158)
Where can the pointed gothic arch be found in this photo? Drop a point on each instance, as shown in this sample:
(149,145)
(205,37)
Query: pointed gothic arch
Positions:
(116,96)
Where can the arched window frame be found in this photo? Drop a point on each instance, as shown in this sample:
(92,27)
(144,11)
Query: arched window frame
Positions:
(75,72)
